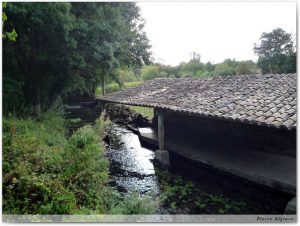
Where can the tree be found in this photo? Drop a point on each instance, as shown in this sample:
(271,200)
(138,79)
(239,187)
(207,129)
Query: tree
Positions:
(231,63)
(223,69)
(67,47)
(149,72)
(40,58)
(125,75)
(273,49)
(190,68)
(113,32)
(209,67)
(246,67)
(290,64)
(12,35)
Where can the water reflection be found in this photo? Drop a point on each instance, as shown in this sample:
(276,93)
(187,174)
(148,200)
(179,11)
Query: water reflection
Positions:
(131,164)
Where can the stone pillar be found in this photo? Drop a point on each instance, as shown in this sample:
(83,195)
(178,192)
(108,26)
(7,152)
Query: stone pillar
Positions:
(161,155)
(161,130)
(291,207)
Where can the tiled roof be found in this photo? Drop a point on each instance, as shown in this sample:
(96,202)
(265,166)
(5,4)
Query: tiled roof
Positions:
(268,100)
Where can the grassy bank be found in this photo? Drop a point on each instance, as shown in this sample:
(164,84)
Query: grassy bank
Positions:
(113,87)
(44,172)
(145,111)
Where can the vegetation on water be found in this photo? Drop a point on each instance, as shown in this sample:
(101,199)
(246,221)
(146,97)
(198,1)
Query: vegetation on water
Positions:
(179,195)
(74,121)
(44,172)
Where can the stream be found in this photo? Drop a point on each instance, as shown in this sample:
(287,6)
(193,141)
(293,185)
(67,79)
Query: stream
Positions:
(132,169)
(131,165)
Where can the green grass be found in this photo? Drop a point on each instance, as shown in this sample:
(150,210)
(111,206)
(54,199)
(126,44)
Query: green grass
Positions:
(113,87)
(145,111)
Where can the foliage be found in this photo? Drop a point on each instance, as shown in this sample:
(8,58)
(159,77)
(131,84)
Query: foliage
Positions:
(247,67)
(192,67)
(41,58)
(274,43)
(223,69)
(176,194)
(65,47)
(134,204)
(195,68)
(125,76)
(13,98)
(12,35)
(149,72)
(30,180)
(145,111)
(108,35)
(46,173)
(276,52)
(113,87)
(290,63)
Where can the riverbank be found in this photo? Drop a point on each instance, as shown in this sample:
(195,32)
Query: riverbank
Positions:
(47,172)
(59,164)
(132,167)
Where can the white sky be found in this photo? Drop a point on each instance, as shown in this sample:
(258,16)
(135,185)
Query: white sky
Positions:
(216,30)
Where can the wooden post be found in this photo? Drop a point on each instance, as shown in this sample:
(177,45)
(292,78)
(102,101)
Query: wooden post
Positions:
(161,130)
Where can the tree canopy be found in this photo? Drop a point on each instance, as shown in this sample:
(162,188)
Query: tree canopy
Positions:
(276,52)
(53,49)
(62,47)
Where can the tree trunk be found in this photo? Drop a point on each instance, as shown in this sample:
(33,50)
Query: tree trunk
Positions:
(103,85)
(55,92)
(35,73)
(38,99)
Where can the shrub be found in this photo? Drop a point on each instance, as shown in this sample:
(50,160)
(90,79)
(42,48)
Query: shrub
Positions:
(114,87)
(149,72)
(46,173)
(32,161)
(135,204)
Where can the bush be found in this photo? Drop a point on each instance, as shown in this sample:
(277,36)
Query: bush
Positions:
(223,69)
(31,166)
(126,76)
(114,87)
(46,173)
(134,204)
(149,72)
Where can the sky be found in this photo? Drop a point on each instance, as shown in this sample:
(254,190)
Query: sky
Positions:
(216,30)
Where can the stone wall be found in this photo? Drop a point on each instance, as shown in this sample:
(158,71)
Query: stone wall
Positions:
(124,115)
(216,132)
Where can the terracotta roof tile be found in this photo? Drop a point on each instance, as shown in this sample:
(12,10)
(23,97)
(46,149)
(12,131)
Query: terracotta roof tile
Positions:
(257,99)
